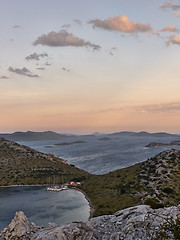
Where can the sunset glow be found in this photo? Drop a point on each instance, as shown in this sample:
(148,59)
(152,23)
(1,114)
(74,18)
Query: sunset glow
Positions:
(85,66)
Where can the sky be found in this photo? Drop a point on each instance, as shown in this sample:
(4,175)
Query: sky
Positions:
(85,66)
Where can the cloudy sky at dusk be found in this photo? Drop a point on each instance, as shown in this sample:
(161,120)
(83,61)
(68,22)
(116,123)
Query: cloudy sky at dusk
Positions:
(85,66)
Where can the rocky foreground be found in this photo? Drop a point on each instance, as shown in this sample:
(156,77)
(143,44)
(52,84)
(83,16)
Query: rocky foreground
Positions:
(135,223)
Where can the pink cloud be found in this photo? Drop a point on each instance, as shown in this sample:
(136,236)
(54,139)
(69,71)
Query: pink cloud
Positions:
(174,39)
(122,24)
(63,39)
(170,5)
(148,108)
(168,28)
(176,14)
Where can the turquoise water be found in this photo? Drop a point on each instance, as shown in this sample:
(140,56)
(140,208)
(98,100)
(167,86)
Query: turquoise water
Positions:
(41,206)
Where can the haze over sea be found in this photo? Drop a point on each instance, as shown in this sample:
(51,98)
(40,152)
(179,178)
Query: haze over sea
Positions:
(100,154)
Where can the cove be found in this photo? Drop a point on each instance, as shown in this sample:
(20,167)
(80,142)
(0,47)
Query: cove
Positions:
(41,206)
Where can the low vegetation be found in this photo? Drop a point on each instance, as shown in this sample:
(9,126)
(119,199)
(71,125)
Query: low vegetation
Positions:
(154,182)
(170,229)
(21,165)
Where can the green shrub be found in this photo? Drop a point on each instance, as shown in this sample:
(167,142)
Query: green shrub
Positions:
(171,228)
(154,203)
(168,190)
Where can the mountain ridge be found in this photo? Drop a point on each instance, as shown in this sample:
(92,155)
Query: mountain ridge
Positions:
(50,135)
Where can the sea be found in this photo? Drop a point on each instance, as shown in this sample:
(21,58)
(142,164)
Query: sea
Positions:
(96,154)
(99,154)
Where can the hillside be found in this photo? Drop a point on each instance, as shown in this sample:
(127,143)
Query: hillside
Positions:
(154,182)
(23,165)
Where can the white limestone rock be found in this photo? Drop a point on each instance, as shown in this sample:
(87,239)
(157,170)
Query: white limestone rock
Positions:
(19,228)
(128,224)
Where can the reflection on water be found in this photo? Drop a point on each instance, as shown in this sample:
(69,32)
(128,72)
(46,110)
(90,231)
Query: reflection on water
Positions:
(41,206)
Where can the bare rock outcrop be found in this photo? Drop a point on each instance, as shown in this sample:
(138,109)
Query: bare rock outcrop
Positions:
(19,228)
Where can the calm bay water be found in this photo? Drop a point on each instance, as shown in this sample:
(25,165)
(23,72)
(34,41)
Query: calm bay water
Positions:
(41,206)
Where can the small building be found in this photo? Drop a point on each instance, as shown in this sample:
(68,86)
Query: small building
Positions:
(74,184)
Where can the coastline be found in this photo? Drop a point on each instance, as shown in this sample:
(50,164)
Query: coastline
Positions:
(92,209)
(37,185)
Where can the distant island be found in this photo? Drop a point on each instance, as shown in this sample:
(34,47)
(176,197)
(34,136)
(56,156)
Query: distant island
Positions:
(33,136)
(157,144)
(104,139)
(144,134)
(69,143)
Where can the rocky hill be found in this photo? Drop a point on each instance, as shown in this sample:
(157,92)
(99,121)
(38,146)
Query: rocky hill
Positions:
(135,223)
(154,182)
(21,165)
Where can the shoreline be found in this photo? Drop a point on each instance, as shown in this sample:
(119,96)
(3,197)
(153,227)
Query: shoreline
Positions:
(92,209)
(37,185)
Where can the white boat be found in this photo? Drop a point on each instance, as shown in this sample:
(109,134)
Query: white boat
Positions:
(57,188)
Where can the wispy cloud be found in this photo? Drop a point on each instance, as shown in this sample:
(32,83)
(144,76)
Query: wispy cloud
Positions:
(65,69)
(63,39)
(66,26)
(158,108)
(4,77)
(121,24)
(170,5)
(112,51)
(174,39)
(176,14)
(78,21)
(36,56)
(41,68)
(24,71)
(47,64)
(148,108)
(17,26)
